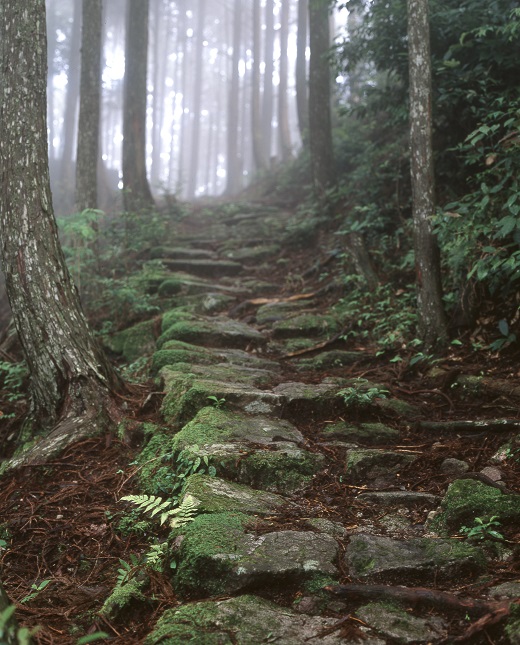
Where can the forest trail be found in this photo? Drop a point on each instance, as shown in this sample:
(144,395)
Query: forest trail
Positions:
(323,490)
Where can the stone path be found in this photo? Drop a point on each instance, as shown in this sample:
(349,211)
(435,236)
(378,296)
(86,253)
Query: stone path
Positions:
(248,437)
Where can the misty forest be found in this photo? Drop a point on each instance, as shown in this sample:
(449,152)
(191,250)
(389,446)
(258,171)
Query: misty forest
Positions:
(259,322)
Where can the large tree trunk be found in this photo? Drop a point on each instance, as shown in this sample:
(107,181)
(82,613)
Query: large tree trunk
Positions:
(137,194)
(70,378)
(320,122)
(87,156)
(432,322)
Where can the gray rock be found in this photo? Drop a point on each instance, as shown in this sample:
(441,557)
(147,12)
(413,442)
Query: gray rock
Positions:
(310,400)
(335,529)
(492,472)
(451,466)
(506,590)
(374,557)
(397,624)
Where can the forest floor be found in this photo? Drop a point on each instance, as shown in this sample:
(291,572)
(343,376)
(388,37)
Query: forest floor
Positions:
(415,429)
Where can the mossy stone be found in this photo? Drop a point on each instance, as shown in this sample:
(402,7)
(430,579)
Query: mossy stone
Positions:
(123,598)
(467,499)
(214,332)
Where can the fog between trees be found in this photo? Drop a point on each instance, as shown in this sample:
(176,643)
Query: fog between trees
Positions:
(221,98)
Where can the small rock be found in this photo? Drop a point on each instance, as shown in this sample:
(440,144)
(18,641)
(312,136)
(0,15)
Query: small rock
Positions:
(399,625)
(453,466)
(308,605)
(506,590)
(493,473)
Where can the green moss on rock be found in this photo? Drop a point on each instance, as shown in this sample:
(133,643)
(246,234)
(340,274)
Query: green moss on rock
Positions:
(136,341)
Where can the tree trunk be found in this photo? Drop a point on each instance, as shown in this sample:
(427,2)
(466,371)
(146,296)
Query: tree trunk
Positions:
(87,156)
(234,183)
(302,95)
(284,133)
(137,194)
(432,321)
(70,378)
(320,124)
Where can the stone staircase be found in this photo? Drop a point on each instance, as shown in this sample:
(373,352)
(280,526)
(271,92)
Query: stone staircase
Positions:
(295,489)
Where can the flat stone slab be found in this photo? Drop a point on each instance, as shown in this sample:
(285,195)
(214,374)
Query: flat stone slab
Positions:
(187,394)
(211,426)
(204,267)
(329,360)
(378,467)
(217,496)
(180,252)
(218,556)
(372,557)
(186,284)
(213,332)
(307,325)
(398,498)
(275,311)
(241,621)
(369,434)
(399,625)
(253,253)
(311,400)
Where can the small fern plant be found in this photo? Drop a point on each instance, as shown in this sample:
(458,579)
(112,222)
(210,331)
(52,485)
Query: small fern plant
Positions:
(157,505)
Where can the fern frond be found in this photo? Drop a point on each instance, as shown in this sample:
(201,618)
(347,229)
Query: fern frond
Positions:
(148,503)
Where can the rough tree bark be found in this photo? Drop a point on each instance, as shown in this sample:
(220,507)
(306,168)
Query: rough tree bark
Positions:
(320,122)
(432,321)
(89,106)
(137,194)
(70,379)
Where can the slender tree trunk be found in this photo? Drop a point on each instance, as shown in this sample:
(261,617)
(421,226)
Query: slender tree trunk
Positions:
(197,101)
(256,110)
(137,193)
(267,101)
(320,123)
(183,48)
(284,132)
(70,378)
(234,182)
(87,156)
(432,322)
(302,94)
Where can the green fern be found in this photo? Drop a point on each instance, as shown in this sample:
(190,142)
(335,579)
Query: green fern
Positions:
(155,505)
